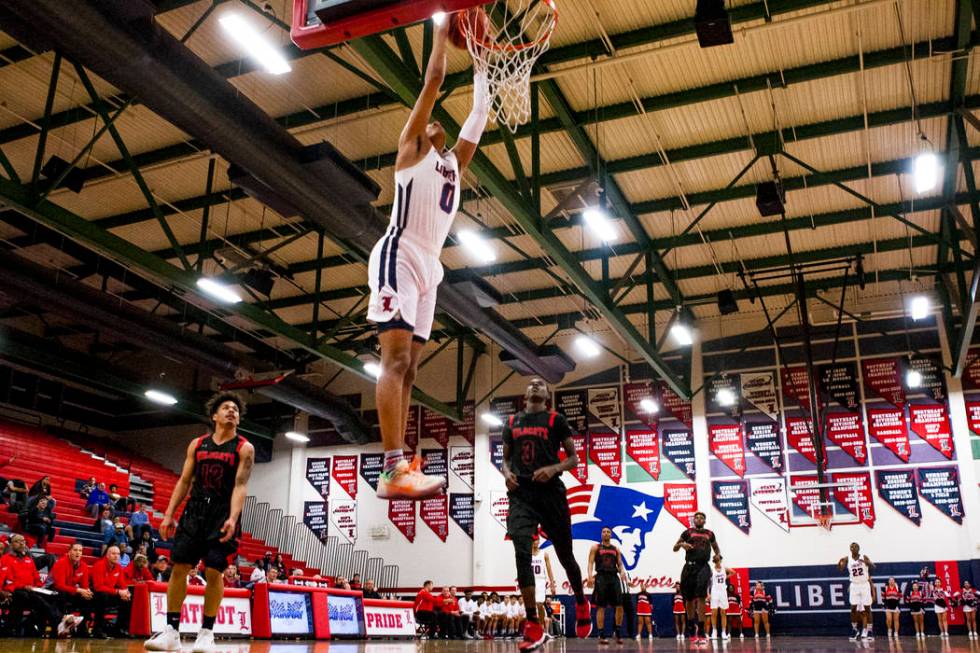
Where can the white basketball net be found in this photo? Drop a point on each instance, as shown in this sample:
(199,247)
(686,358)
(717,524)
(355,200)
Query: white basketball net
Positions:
(518,32)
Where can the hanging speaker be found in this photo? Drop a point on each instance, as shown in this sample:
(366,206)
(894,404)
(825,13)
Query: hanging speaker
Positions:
(712,23)
(726,302)
(769,198)
(56,166)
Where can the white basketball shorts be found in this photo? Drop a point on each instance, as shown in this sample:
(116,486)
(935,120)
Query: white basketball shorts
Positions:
(719,599)
(860,595)
(404,279)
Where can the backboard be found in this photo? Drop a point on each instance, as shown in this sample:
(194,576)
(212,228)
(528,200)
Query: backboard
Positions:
(842,503)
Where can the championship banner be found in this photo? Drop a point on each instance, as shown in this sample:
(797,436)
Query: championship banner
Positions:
(371,466)
(762,439)
(499,507)
(731,499)
(805,498)
(799,432)
(467,428)
(839,382)
(401,513)
(971,373)
(633,395)
(461,511)
(343,516)
(497,452)
(504,407)
(673,404)
(435,462)
(930,423)
(434,513)
(315,518)
(858,498)
(897,488)
(768,495)
(759,390)
(887,426)
(581,471)
(933,380)
(345,473)
(435,426)
(725,442)
(883,377)
(604,405)
(973,416)
(846,431)
(573,404)
(412,429)
(796,386)
(318,474)
(678,447)
(940,486)
(461,464)
(643,446)
(681,501)
(728,383)
(606,453)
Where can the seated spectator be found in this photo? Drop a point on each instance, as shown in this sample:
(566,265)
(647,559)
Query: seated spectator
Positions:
(266,561)
(467,611)
(280,564)
(18,577)
(296,572)
(38,522)
(272,576)
(231,577)
(148,545)
(355,582)
(87,488)
(109,586)
(97,500)
(449,615)
(139,570)
(161,569)
(119,502)
(41,487)
(369,591)
(16,494)
(69,577)
(258,573)
(139,522)
(424,609)
(103,521)
(115,536)
(194,578)
(125,560)
(341,583)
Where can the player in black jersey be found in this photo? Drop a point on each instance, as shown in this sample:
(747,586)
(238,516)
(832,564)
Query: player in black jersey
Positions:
(532,469)
(607,561)
(216,472)
(697,542)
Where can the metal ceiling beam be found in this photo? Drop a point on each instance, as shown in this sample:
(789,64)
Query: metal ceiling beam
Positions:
(408,87)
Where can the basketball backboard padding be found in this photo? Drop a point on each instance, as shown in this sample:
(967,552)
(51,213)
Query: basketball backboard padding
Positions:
(322,23)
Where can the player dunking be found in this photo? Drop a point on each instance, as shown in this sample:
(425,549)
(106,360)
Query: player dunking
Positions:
(404,270)
(607,561)
(859,568)
(216,472)
(532,471)
(697,542)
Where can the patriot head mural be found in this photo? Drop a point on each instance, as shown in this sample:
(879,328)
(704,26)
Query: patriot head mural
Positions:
(629,513)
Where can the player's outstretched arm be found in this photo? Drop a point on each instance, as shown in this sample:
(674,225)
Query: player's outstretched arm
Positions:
(472,129)
(620,565)
(246,460)
(182,487)
(592,553)
(410,142)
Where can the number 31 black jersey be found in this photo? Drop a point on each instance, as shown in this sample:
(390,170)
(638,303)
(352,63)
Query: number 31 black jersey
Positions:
(534,440)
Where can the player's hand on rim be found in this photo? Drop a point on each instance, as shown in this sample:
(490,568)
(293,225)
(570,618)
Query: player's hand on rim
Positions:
(227,530)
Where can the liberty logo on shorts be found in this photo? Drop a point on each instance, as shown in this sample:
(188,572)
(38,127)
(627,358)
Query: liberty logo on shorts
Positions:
(386,303)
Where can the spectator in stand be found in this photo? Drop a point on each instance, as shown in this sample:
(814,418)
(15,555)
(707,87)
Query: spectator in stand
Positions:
(272,576)
(69,577)
(258,573)
(139,523)
(369,591)
(266,561)
(87,488)
(295,573)
(355,582)
(41,488)
(161,569)
(139,570)
(109,586)
(424,609)
(119,502)
(103,521)
(194,578)
(39,524)
(149,546)
(115,536)
(280,564)
(231,577)
(97,500)
(341,583)
(16,494)
(18,578)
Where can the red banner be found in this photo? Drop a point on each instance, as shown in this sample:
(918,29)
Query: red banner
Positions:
(948,572)
(679,408)
(681,501)
(799,433)
(434,513)
(857,498)
(643,446)
(725,441)
(581,471)
(412,429)
(973,416)
(807,499)
(606,453)
(930,423)
(435,426)
(467,428)
(887,426)
(883,376)
(846,431)
(633,395)
(345,473)
(971,374)
(401,513)
(796,386)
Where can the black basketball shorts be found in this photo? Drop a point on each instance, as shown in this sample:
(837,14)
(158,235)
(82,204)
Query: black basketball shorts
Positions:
(694,580)
(607,592)
(543,505)
(198,537)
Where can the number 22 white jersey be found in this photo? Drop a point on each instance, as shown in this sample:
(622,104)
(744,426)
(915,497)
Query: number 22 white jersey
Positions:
(857,570)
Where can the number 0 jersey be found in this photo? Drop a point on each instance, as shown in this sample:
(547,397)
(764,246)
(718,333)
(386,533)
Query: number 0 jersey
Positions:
(426,200)
(534,440)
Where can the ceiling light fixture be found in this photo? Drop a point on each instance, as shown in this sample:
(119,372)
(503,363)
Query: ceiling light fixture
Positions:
(491,419)
(587,346)
(258,47)
(649,406)
(372,368)
(600,224)
(919,307)
(218,290)
(925,168)
(160,397)
(296,436)
(913,379)
(682,333)
(477,246)
(725,397)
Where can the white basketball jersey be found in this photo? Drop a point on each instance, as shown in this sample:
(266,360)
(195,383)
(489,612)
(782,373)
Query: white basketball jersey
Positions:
(540,572)
(719,581)
(426,200)
(857,570)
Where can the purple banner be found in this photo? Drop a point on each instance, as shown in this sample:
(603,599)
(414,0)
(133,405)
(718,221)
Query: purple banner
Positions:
(940,486)
(933,380)
(315,518)
(731,498)
(762,439)
(318,474)
(724,394)
(435,462)
(839,382)
(897,488)
(677,446)
(504,407)
(573,404)
(497,452)
(461,511)
(371,466)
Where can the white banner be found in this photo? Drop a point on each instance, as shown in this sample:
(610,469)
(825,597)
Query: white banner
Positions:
(759,389)
(343,516)
(769,496)
(605,406)
(389,622)
(234,614)
(499,507)
(461,464)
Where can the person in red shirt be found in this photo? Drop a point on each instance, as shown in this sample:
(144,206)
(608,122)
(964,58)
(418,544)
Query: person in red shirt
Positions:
(449,615)
(424,606)
(892,597)
(194,578)
(69,577)
(109,586)
(18,574)
(138,571)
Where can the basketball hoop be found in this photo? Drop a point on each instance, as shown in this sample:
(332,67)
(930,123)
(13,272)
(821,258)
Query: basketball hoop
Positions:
(825,522)
(505,42)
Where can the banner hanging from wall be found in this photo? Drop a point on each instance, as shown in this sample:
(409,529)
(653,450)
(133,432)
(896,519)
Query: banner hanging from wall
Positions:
(461,511)
(731,498)
(940,486)
(804,494)
(796,386)
(401,513)
(434,513)
(846,431)
(971,373)
(839,382)
(897,487)
(724,395)
(973,416)
(345,473)
(573,404)
(643,446)
(931,423)
(883,377)
(681,501)
(499,507)
(315,518)
(768,495)
(467,428)
(504,407)
(412,429)
(764,441)
(497,452)
(857,497)
(435,462)
(605,451)
(634,394)
(318,475)
(435,426)
(371,466)
(933,379)
(725,442)
(799,434)
(461,464)
(759,390)
(604,406)
(887,426)
(679,408)
(343,516)
(581,471)
(677,446)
